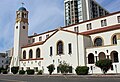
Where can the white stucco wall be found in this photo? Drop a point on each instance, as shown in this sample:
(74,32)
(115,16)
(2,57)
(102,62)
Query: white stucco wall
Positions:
(71,59)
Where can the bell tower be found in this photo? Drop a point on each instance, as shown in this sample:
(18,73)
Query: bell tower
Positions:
(20,34)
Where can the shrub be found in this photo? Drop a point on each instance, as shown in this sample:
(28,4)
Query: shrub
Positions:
(22,72)
(70,69)
(64,68)
(1,69)
(14,70)
(4,71)
(104,65)
(82,70)
(30,72)
(58,69)
(51,68)
(40,72)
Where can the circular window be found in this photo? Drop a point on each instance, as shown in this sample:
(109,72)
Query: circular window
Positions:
(23,27)
(16,27)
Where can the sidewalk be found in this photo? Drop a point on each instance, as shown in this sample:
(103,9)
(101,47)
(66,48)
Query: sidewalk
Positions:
(72,75)
(84,76)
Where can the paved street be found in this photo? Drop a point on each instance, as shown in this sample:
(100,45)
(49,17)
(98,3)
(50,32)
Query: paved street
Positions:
(25,78)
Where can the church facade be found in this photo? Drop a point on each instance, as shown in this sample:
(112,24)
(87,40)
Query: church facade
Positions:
(79,44)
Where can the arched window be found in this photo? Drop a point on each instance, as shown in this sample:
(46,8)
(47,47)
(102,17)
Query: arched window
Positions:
(38,53)
(22,15)
(114,56)
(60,47)
(30,54)
(24,54)
(114,40)
(25,15)
(102,56)
(91,58)
(98,42)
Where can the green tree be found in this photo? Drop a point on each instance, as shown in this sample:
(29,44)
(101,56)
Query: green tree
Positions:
(63,67)
(51,68)
(30,72)
(14,70)
(1,68)
(22,72)
(104,65)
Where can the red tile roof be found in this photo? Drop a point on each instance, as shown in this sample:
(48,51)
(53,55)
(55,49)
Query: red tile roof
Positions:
(42,33)
(34,44)
(39,43)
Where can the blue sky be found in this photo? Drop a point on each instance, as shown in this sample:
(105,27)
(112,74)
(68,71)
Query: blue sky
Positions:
(44,15)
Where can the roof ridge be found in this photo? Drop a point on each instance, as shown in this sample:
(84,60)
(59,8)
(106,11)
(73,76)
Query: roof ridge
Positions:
(42,33)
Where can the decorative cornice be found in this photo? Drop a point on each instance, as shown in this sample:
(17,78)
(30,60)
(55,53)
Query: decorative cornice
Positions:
(21,20)
(31,59)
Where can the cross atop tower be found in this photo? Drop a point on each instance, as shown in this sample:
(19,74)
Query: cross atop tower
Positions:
(23,4)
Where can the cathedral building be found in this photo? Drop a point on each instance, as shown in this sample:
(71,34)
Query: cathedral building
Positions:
(80,44)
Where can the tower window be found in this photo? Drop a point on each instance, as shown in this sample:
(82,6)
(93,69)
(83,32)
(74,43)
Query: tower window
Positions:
(25,15)
(18,15)
(22,15)
(16,27)
(23,27)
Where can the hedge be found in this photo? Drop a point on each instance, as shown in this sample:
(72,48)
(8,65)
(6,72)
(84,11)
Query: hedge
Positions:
(14,70)
(30,72)
(21,72)
(82,70)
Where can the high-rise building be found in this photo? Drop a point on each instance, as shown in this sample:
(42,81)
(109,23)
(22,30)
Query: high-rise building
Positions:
(81,10)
